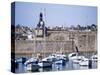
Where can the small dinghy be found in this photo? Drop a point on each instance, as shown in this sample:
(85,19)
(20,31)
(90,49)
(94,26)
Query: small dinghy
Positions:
(72,56)
(78,59)
(31,64)
(84,62)
(31,60)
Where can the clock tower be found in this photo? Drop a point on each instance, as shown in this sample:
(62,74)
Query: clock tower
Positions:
(40,29)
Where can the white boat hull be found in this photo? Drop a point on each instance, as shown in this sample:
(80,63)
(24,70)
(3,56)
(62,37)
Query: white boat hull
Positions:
(61,61)
(32,67)
(84,63)
(45,64)
(77,61)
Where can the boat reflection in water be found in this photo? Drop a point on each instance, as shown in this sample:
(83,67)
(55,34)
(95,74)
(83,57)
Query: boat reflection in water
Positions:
(56,64)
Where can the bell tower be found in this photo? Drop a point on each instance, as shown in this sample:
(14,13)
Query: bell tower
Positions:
(40,26)
(41,22)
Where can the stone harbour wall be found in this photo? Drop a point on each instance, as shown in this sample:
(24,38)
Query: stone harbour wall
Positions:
(58,42)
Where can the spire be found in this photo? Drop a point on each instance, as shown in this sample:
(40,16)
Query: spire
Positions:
(41,22)
(41,16)
(41,29)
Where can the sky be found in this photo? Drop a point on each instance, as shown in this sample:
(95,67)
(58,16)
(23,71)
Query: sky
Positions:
(27,14)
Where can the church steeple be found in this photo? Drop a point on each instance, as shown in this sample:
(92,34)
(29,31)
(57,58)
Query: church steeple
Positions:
(41,22)
(41,29)
(41,16)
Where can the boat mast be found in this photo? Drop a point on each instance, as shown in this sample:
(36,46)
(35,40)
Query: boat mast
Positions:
(34,43)
(44,32)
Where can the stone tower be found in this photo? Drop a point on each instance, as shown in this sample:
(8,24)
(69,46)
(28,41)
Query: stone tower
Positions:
(39,30)
(41,23)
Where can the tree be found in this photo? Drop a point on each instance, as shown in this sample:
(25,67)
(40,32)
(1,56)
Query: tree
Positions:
(93,27)
(78,27)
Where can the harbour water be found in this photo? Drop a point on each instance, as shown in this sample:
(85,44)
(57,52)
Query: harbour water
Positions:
(57,67)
